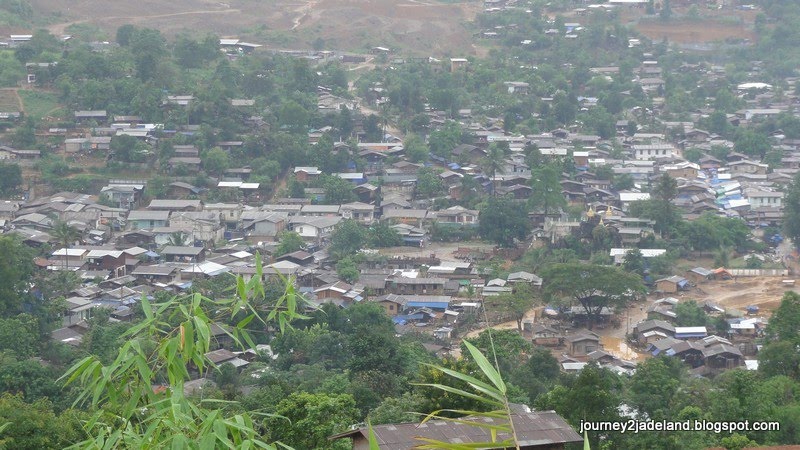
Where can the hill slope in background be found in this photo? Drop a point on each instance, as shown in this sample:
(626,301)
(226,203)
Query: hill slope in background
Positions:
(419,26)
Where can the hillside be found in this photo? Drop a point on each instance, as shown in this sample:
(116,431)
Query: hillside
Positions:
(343,24)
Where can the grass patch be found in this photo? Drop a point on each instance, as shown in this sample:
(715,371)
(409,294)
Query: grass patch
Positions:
(40,104)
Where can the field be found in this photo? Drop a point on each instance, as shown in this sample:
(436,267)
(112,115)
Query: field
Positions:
(41,105)
(430,27)
(9,100)
(707,27)
(694,32)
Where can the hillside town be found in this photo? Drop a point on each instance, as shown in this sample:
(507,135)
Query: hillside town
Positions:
(338,217)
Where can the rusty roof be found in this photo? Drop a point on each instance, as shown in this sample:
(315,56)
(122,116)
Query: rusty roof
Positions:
(535,428)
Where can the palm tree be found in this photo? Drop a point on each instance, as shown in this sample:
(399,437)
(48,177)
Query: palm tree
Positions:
(177,239)
(495,159)
(66,235)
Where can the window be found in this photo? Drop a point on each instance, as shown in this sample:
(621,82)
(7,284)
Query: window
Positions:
(391,307)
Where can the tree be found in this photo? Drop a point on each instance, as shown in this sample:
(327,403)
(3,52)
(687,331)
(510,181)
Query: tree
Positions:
(19,336)
(16,268)
(429,184)
(495,160)
(337,190)
(791,223)
(289,241)
(633,262)
(35,426)
(653,386)
(158,350)
(293,117)
(592,396)
(25,135)
(515,304)
(382,235)
(546,189)
(538,374)
(502,221)
(66,235)
(445,139)
(347,270)
(128,149)
(415,148)
(216,161)
(690,314)
(593,287)
(782,325)
(306,420)
(10,178)
(347,239)
(508,346)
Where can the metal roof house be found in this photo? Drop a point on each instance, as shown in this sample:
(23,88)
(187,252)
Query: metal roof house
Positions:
(535,430)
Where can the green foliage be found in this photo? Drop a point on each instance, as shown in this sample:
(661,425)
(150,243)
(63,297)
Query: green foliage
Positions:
(306,420)
(11,69)
(337,190)
(177,333)
(347,239)
(593,395)
(10,178)
(429,185)
(34,426)
(19,336)
(16,268)
(546,193)
(502,221)
(216,161)
(593,287)
(488,390)
(289,242)
(791,223)
(690,314)
(382,235)
(653,386)
(347,270)
(128,149)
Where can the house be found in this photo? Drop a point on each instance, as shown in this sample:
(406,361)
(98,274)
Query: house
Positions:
(699,274)
(314,227)
(524,277)
(690,332)
(582,343)
(205,225)
(144,219)
(181,190)
(174,253)
(672,284)
(544,335)
(305,174)
(413,217)
(264,223)
(457,215)
(229,213)
(360,212)
(124,195)
(392,304)
(747,167)
(762,198)
(650,331)
(541,430)
(175,205)
(416,286)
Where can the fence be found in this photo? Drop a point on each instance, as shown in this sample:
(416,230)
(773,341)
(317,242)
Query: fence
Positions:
(759,272)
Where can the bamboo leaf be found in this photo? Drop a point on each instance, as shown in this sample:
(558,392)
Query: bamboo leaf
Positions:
(486,367)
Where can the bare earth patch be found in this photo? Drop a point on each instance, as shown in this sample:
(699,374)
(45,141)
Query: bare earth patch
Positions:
(427,26)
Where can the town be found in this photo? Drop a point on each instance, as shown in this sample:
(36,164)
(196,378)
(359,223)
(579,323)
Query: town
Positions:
(599,209)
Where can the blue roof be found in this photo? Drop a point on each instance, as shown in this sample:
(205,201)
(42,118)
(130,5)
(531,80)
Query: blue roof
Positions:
(453,166)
